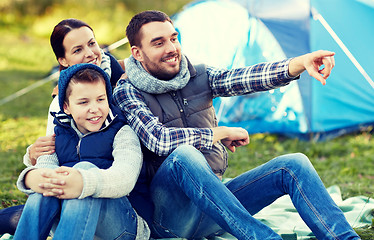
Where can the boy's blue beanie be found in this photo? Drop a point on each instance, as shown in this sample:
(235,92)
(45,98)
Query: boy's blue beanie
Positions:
(68,73)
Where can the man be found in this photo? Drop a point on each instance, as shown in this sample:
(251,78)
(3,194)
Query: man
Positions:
(168,103)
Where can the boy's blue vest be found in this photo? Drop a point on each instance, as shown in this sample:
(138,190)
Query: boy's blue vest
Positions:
(94,147)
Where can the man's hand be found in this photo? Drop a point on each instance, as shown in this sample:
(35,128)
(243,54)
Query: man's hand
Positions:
(43,146)
(231,137)
(312,63)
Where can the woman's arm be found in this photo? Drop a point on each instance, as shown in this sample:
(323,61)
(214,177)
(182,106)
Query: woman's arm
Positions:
(43,145)
(53,107)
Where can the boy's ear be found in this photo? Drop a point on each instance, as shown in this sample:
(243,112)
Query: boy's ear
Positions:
(62,62)
(66,109)
(137,53)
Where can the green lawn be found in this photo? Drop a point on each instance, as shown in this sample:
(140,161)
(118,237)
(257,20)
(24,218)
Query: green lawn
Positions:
(346,161)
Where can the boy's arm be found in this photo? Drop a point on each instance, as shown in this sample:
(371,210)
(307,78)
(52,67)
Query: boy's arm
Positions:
(35,177)
(114,182)
(30,177)
(120,178)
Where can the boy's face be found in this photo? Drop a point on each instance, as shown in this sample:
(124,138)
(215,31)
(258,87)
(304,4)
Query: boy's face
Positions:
(80,47)
(160,51)
(88,105)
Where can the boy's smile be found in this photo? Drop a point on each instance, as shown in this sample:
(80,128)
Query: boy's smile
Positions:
(88,105)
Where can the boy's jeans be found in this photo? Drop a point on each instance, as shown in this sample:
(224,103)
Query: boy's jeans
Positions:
(104,218)
(190,200)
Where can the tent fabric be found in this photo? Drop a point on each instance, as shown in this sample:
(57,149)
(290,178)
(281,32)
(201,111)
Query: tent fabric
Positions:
(239,33)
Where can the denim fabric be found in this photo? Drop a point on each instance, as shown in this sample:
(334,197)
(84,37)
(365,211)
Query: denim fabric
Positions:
(191,202)
(9,218)
(105,218)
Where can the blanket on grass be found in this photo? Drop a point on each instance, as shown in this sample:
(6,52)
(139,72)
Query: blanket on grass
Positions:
(283,218)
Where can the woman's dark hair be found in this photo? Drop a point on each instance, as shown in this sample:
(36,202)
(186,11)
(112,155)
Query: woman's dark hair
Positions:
(59,33)
(132,30)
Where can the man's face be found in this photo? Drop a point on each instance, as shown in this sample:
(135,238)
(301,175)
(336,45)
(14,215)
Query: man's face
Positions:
(160,51)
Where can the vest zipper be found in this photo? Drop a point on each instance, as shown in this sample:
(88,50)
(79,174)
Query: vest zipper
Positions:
(78,148)
(178,100)
(80,139)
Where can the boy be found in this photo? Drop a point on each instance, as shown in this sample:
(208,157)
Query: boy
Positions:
(100,161)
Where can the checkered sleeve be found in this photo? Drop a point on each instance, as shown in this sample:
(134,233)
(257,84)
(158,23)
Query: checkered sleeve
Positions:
(151,132)
(256,78)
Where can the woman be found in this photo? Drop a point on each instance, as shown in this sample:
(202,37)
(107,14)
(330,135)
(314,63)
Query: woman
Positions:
(73,42)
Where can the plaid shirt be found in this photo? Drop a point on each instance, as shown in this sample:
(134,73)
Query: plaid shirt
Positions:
(163,140)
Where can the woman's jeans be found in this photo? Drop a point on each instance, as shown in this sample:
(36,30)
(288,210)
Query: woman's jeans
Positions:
(9,218)
(191,202)
(104,218)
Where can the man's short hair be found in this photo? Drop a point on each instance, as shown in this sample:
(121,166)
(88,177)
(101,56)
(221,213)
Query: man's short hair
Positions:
(135,24)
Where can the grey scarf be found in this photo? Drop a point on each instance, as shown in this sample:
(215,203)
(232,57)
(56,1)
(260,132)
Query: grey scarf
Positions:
(144,81)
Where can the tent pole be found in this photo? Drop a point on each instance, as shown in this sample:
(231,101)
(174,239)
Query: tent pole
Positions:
(316,15)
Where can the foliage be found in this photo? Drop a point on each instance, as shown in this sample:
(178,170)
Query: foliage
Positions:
(16,135)
(26,7)
(41,7)
(366,232)
(108,18)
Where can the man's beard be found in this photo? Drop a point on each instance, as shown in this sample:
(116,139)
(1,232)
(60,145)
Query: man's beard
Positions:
(158,72)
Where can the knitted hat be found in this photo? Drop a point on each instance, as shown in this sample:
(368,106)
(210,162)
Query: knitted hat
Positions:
(67,74)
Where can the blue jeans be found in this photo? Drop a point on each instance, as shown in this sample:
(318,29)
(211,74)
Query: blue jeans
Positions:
(191,202)
(9,218)
(105,218)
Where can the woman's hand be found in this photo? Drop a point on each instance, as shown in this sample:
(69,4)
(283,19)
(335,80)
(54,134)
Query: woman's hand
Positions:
(42,146)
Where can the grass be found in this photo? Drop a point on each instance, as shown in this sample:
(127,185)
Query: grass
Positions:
(346,161)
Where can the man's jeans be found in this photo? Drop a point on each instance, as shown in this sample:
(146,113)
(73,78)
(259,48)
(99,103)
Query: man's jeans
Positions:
(191,202)
(104,218)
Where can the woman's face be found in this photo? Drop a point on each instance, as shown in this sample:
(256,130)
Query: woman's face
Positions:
(80,47)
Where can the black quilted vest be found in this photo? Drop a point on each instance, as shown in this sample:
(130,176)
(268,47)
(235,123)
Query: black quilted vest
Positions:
(191,106)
